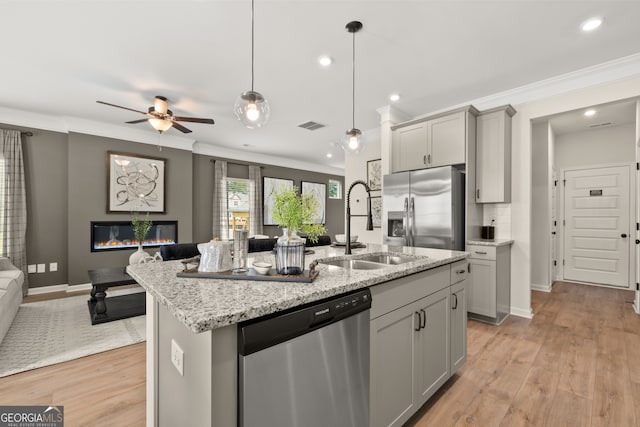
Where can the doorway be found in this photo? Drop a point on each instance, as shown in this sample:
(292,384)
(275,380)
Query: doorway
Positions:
(597,228)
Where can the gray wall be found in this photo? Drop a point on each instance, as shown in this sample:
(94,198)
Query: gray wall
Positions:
(45,163)
(540,215)
(203,189)
(66,179)
(87,186)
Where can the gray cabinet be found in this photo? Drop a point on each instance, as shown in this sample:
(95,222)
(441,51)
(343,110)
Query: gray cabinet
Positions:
(493,155)
(431,142)
(411,341)
(458,325)
(489,297)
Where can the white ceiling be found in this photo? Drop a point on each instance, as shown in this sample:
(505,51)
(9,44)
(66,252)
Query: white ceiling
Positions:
(59,57)
(614,114)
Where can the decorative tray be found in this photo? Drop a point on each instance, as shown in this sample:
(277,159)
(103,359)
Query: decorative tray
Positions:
(306,277)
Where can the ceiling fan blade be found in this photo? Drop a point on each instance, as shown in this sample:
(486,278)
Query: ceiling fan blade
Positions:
(194,120)
(180,127)
(120,106)
(137,121)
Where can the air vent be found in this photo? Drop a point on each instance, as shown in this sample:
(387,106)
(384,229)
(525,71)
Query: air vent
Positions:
(598,125)
(311,125)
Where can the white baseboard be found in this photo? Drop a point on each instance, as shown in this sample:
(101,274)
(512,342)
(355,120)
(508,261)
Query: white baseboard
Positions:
(541,288)
(58,288)
(636,307)
(527,314)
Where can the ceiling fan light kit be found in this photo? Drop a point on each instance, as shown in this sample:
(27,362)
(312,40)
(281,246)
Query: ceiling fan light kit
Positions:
(353,141)
(251,108)
(160,117)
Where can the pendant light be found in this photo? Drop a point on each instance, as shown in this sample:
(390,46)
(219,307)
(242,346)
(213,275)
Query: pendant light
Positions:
(251,108)
(353,141)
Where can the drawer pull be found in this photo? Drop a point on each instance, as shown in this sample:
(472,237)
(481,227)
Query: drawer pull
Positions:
(460,272)
(480,253)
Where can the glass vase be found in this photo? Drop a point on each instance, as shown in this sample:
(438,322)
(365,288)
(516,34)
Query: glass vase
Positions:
(290,253)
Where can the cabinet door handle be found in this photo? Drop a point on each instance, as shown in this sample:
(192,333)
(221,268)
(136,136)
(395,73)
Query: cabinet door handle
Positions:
(469,268)
(424,319)
(429,158)
(419,323)
(455,305)
(480,253)
(478,193)
(424,159)
(460,271)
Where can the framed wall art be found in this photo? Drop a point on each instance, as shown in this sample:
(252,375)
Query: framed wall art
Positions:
(374,174)
(269,187)
(319,192)
(135,183)
(376,211)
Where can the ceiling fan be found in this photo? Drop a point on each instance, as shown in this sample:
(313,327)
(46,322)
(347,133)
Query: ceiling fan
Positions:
(160,117)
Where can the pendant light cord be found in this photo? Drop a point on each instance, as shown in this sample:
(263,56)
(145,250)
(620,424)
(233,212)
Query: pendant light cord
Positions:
(353,84)
(252,42)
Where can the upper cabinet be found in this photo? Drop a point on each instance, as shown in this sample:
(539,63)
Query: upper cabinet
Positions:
(493,155)
(432,141)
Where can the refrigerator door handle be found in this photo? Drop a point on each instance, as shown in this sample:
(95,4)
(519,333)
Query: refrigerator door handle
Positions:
(405,221)
(412,214)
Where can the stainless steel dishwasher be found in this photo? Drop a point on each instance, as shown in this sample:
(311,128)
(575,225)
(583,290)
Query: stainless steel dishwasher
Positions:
(308,366)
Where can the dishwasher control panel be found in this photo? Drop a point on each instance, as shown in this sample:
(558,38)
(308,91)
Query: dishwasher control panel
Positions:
(341,307)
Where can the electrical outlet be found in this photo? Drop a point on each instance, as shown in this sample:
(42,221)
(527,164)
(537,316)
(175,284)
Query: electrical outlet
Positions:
(53,266)
(177,357)
(42,268)
(31,268)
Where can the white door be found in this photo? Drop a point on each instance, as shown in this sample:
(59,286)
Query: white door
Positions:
(596,235)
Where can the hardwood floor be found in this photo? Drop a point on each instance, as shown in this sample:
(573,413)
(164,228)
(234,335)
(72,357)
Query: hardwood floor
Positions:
(577,363)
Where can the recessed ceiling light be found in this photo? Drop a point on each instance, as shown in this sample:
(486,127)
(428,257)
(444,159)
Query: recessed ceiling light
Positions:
(590,113)
(394,97)
(325,61)
(329,155)
(591,24)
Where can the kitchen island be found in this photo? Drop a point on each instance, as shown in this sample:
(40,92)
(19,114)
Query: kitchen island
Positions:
(194,322)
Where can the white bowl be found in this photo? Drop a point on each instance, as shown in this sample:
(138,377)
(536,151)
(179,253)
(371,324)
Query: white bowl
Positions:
(262,267)
(342,238)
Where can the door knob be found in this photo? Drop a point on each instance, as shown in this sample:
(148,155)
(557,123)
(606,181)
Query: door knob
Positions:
(623,235)
(553,232)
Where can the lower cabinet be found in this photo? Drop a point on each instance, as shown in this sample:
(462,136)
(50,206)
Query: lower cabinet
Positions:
(458,325)
(489,297)
(412,342)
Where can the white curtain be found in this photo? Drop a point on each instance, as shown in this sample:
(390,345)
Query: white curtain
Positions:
(220,211)
(255,200)
(13,202)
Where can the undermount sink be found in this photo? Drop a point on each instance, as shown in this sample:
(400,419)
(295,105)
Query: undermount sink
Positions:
(391,259)
(354,264)
(370,262)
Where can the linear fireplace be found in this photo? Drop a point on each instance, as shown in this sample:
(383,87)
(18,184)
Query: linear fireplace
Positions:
(118,235)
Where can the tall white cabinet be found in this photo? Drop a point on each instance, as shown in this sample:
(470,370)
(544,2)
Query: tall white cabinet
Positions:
(493,155)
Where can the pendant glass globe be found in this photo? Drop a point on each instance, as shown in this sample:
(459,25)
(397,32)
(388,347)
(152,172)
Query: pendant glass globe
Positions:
(352,141)
(252,109)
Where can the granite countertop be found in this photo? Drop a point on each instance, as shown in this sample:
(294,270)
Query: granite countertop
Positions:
(206,304)
(487,242)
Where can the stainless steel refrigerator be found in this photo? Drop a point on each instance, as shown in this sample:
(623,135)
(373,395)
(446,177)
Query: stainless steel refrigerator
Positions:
(424,208)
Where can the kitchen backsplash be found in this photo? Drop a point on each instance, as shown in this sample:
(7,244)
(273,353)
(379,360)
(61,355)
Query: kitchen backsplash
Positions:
(501,212)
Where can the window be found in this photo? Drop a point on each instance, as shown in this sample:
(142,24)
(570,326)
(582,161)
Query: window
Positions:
(238,204)
(335,189)
(2,198)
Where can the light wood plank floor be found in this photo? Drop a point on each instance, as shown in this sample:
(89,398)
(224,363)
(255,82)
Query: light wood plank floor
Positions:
(569,366)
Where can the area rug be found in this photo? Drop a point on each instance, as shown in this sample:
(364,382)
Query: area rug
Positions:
(47,332)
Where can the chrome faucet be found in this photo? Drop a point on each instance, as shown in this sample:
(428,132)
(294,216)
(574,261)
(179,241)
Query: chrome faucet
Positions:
(347,249)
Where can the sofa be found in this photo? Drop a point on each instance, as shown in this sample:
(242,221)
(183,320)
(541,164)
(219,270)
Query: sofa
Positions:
(11,280)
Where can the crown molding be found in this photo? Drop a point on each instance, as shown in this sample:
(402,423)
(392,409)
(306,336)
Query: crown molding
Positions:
(250,157)
(624,68)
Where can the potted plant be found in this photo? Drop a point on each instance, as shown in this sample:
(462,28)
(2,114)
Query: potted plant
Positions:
(141,227)
(294,213)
